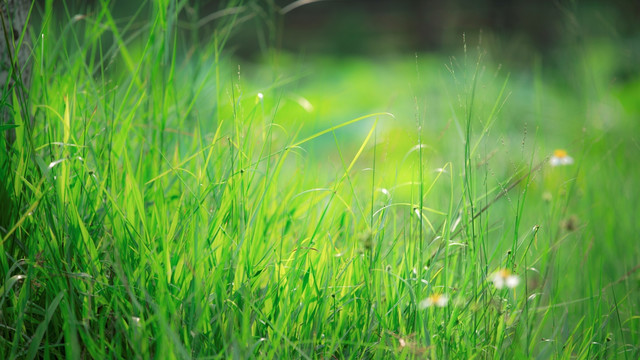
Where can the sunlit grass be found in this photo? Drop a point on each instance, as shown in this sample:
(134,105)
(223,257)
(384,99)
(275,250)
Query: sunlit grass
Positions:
(170,203)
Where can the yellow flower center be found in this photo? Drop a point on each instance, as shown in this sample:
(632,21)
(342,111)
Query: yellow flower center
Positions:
(559,153)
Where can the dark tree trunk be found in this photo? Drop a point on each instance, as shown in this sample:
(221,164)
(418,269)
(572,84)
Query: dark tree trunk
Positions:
(15,68)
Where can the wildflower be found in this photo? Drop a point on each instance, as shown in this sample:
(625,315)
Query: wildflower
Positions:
(135,320)
(439,300)
(560,157)
(504,277)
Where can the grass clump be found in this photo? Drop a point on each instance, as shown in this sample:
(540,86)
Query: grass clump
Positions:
(168,203)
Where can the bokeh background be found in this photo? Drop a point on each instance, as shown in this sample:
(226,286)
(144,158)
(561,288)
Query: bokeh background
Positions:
(516,30)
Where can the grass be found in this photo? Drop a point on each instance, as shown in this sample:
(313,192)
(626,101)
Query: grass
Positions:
(169,203)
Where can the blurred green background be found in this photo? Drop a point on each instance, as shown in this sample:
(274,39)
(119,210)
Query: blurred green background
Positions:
(570,68)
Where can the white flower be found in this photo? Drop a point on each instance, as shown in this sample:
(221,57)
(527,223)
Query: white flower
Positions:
(503,277)
(560,157)
(439,300)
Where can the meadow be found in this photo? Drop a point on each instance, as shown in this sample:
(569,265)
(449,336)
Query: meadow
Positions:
(165,198)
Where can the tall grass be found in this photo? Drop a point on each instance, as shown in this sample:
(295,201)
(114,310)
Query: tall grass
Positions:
(169,203)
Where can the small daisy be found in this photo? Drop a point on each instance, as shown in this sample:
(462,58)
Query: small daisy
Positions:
(439,300)
(504,277)
(560,157)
